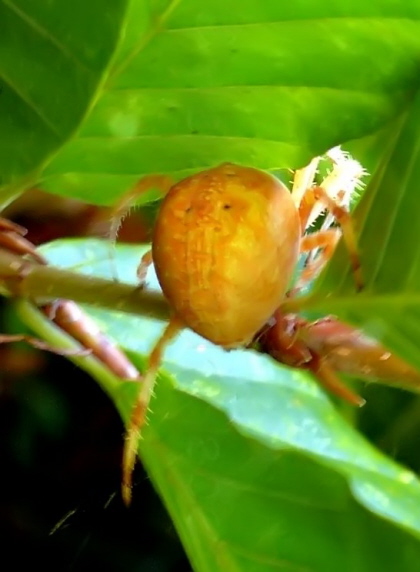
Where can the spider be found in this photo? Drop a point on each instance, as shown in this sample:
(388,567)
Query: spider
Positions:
(225,246)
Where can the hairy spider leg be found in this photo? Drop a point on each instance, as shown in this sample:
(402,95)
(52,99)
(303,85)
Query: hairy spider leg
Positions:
(307,197)
(327,239)
(141,406)
(160,182)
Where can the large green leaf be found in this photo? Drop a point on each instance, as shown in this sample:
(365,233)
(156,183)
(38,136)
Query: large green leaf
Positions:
(53,56)
(257,468)
(388,218)
(256,82)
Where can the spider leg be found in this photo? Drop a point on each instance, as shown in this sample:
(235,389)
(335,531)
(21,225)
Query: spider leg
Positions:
(304,179)
(332,195)
(160,182)
(286,342)
(327,239)
(327,377)
(120,210)
(343,218)
(138,416)
(145,261)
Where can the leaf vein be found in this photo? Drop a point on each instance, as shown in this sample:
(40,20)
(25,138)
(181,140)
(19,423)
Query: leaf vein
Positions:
(26,99)
(39,29)
(306,21)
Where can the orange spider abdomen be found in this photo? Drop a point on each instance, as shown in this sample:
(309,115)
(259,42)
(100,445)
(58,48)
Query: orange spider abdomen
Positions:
(225,246)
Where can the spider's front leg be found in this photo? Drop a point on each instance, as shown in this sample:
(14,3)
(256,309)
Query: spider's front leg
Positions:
(311,202)
(327,240)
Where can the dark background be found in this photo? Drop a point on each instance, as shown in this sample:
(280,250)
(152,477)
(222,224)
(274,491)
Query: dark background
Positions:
(60,451)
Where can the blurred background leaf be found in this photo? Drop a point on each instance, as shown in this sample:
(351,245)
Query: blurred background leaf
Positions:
(53,59)
(260,84)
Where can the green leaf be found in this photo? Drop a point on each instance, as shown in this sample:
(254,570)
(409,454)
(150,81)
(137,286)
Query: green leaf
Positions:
(53,56)
(388,218)
(260,83)
(257,468)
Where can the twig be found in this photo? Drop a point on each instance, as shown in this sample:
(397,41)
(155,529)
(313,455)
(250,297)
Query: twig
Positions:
(44,284)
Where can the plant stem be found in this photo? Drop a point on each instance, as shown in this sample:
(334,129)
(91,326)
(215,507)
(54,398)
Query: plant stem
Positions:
(43,284)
